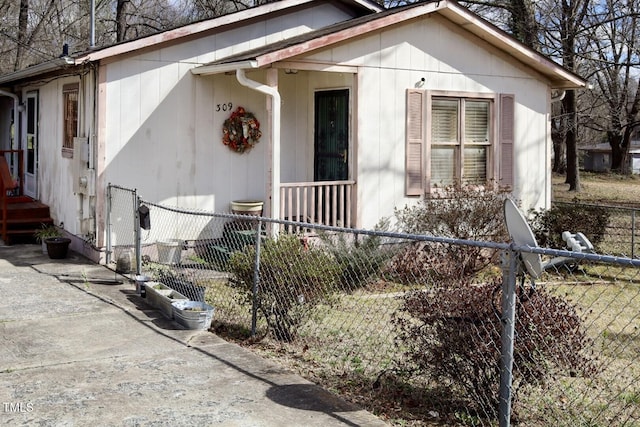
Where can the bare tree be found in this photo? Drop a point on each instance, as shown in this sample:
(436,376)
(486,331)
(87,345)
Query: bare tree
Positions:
(615,57)
(23,22)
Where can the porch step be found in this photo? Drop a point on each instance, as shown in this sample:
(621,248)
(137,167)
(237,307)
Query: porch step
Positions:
(28,210)
(24,217)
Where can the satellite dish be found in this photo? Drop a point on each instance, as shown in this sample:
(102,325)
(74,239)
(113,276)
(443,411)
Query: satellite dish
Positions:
(521,235)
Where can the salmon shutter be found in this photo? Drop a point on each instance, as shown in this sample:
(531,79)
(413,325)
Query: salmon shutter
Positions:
(507,123)
(414,161)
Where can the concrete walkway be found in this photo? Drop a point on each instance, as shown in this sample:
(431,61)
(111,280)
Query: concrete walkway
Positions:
(80,348)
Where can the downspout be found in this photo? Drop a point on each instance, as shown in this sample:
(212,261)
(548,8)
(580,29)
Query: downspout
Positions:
(275,138)
(558,97)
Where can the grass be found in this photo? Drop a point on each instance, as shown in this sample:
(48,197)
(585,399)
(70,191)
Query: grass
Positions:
(599,188)
(622,191)
(608,298)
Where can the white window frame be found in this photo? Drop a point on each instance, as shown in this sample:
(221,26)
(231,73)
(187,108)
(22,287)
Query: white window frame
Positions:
(461,98)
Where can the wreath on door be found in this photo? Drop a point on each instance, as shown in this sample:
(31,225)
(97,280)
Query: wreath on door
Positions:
(241,131)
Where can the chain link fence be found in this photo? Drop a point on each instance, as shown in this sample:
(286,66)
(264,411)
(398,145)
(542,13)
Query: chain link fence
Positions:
(389,321)
(622,231)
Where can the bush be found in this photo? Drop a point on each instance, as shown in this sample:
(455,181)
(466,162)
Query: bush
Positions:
(359,258)
(452,337)
(293,278)
(460,213)
(548,225)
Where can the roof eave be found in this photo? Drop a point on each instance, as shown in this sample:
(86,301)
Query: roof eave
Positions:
(39,69)
(558,76)
(203,26)
(205,70)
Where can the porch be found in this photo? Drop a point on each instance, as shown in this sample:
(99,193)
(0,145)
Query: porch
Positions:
(20,216)
(325,202)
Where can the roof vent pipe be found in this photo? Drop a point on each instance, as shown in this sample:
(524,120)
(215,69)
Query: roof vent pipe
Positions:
(92,25)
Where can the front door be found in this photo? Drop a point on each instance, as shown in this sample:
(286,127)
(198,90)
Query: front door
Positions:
(30,146)
(331,154)
(331,139)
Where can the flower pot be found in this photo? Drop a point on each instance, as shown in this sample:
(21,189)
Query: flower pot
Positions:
(161,296)
(141,281)
(57,247)
(193,314)
(247,207)
(185,287)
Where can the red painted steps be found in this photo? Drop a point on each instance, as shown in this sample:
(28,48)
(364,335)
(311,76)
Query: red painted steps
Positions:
(24,217)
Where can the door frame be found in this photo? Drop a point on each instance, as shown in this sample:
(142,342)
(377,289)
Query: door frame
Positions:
(349,142)
(32,105)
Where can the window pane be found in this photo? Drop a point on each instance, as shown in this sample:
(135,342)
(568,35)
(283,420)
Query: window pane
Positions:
(476,121)
(444,120)
(475,165)
(443,166)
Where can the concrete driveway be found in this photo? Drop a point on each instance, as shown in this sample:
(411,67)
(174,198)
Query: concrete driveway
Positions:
(80,348)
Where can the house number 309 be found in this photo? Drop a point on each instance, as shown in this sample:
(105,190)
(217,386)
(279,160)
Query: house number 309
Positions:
(228,106)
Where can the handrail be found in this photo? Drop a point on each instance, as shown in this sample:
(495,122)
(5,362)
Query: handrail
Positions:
(20,164)
(7,183)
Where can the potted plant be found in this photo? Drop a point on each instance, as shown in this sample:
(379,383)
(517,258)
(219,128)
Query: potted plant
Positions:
(45,232)
(52,241)
(57,247)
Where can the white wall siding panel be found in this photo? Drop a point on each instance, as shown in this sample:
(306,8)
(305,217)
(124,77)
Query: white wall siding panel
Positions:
(394,60)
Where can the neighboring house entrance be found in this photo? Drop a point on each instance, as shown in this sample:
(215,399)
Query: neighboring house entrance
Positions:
(31,146)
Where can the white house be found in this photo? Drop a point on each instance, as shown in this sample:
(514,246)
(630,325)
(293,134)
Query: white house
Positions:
(360,109)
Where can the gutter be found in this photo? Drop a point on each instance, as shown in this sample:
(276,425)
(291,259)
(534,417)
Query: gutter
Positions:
(34,70)
(275,137)
(204,70)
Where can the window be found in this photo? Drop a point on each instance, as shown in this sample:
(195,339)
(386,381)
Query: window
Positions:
(70,117)
(460,141)
(459,145)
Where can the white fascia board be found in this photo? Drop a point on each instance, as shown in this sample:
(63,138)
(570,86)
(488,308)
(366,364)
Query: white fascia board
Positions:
(204,70)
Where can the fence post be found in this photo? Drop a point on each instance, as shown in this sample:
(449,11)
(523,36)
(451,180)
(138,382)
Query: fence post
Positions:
(108,236)
(256,281)
(138,244)
(507,320)
(633,233)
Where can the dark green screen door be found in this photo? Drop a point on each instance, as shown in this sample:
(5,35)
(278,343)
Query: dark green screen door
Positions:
(331,140)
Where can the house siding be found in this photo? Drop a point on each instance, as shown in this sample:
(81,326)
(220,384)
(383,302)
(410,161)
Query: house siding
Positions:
(55,173)
(143,90)
(396,59)
(157,126)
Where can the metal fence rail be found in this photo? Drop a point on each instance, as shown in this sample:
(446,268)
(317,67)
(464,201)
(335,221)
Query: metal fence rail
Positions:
(389,321)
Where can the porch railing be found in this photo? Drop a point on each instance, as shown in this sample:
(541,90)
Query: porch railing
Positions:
(15,162)
(10,161)
(325,202)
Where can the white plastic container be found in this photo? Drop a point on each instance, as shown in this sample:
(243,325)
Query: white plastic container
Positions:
(169,251)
